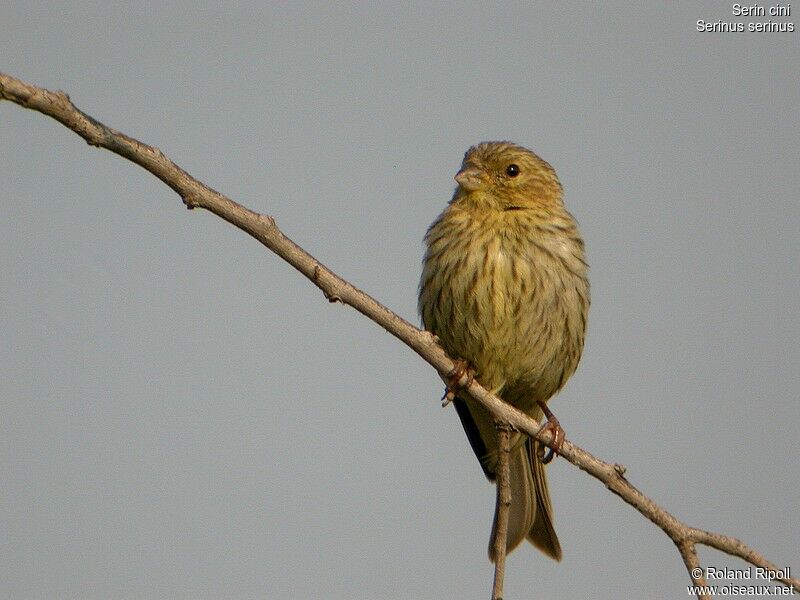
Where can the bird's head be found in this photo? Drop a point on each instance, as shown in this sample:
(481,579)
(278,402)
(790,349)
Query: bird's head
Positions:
(507,176)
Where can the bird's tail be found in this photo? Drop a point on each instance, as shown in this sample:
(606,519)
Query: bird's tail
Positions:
(531,514)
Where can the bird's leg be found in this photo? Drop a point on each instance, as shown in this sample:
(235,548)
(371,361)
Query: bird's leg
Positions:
(460,368)
(555,428)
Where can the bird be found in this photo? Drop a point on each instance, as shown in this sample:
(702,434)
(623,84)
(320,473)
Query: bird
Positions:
(504,288)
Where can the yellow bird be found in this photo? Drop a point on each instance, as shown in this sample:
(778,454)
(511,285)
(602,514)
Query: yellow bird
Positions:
(504,287)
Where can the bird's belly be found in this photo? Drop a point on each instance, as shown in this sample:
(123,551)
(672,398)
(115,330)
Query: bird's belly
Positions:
(509,316)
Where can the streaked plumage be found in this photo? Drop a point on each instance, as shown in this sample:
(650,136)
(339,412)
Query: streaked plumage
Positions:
(504,286)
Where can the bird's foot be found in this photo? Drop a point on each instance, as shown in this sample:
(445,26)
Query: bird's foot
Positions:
(504,426)
(454,377)
(555,429)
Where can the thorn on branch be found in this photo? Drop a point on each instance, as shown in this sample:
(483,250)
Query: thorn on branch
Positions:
(268,222)
(332,298)
(329,296)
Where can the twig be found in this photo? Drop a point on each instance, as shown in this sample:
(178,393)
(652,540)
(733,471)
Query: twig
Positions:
(692,562)
(503,507)
(195,194)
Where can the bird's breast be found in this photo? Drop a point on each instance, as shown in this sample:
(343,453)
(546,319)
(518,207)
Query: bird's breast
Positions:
(502,298)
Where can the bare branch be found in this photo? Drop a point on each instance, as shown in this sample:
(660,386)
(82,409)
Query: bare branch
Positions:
(692,562)
(503,507)
(195,194)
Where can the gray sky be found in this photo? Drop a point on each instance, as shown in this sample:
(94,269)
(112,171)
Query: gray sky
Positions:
(183,415)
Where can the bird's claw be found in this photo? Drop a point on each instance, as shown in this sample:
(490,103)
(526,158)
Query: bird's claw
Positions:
(555,429)
(460,368)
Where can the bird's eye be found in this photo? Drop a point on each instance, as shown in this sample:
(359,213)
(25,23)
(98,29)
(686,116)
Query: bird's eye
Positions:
(512,170)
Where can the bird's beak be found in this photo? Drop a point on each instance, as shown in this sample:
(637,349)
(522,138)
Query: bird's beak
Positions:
(471,179)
